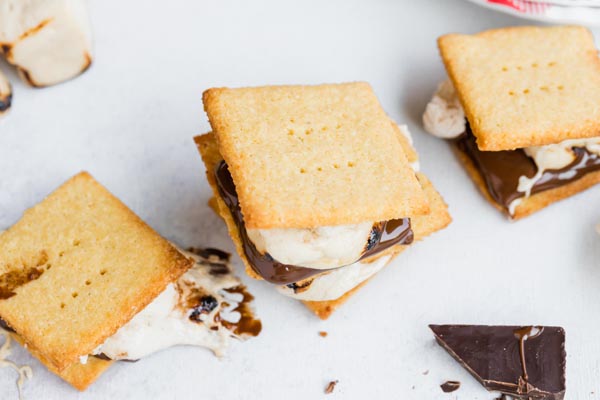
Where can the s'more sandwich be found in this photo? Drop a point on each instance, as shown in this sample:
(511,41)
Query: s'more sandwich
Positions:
(521,107)
(318,187)
(84,282)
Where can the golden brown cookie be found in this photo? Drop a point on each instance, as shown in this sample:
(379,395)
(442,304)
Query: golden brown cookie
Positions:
(80,376)
(526,86)
(77,267)
(293,150)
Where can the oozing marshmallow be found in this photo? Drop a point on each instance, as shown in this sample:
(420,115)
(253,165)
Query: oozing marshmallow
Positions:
(333,284)
(25,372)
(175,317)
(444,116)
(553,157)
(48,40)
(320,248)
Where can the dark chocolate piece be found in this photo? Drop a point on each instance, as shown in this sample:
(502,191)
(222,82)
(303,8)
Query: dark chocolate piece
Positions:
(387,234)
(527,362)
(501,170)
(450,386)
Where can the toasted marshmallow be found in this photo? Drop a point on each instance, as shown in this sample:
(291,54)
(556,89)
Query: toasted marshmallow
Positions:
(334,284)
(174,317)
(444,116)
(319,248)
(5,93)
(49,41)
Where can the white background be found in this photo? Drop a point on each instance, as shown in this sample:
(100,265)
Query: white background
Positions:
(130,121)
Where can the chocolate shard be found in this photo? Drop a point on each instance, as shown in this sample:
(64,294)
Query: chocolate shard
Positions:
(526,362)
(450,386)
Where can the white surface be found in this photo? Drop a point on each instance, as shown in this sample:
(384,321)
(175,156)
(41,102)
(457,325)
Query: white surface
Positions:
(130,120)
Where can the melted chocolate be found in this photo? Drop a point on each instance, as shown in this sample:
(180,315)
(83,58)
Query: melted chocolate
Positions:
(385,235)
(247,325)
(104,357)
(14,278)
(501,170)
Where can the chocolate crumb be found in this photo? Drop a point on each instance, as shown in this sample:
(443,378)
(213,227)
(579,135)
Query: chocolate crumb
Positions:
(323,334)
(450,386)
(331,386)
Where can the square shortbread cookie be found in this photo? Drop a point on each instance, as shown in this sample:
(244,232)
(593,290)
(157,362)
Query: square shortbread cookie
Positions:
(76,268)
(526,86)
(306,156)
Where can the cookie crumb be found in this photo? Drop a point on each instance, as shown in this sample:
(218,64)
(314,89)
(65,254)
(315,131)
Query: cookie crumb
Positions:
(425,372)
(331,386)
(323,334)
(450,386)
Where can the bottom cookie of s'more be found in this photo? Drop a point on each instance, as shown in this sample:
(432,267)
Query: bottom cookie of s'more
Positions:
(335,285)
(84,283)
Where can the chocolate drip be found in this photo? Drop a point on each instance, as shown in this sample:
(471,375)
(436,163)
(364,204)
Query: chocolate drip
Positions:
(104,357)
(387,234)
(501,170)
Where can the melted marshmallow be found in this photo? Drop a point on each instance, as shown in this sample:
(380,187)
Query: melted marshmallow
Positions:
(334,284)
(554,156)
(166,321)
(322,247)
(25,372)
(444,116)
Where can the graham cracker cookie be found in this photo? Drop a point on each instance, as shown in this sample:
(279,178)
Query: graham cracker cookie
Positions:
(422,225)
(536,201)
(78,375)
(526,86)
(293,150)
(77,267)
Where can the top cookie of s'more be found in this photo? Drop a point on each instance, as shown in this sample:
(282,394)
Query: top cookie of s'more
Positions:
(308,156)
(77,267)
(526,86)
